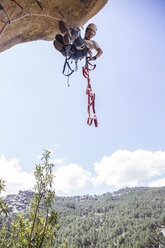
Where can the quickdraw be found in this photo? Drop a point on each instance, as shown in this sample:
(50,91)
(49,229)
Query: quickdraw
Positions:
(67,65)
(91,96)
(69,51)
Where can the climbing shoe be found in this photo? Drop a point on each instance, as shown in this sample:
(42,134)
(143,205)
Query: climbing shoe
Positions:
(59,37)
(74,33)
(71,35)
(65,31)
(63,27)
(59,46)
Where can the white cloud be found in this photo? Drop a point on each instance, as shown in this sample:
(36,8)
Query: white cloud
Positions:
(158,183)
(15,178)
(70,177)
(125,168)
(59,162)
(67,177)
(120,169)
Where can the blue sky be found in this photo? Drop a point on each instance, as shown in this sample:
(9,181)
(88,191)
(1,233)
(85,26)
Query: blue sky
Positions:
(38,111)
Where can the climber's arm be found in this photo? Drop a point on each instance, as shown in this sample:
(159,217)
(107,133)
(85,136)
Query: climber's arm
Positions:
(98,54)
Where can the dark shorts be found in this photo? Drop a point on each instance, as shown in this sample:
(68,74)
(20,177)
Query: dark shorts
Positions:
(74,53)
(78,54)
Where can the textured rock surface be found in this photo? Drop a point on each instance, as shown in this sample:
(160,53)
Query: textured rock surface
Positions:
(28,20)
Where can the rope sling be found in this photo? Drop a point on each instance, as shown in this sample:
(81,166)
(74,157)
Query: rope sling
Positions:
(91,96)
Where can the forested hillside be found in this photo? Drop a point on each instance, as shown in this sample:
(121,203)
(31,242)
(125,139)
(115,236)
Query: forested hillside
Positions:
(128,218)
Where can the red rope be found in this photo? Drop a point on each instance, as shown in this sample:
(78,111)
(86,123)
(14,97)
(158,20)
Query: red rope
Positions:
(91,96)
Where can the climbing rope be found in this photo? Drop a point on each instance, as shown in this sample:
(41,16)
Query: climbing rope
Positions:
(91,96)
(10,20)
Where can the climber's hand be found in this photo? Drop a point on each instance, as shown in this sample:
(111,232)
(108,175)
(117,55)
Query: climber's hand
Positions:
(93,58)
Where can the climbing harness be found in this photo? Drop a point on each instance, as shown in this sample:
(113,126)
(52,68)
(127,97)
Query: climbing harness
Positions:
(75,50)
(91,96)
(72,54)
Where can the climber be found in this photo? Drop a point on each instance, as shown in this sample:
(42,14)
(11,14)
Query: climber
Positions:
(72,46)
(91,44)
(71,43)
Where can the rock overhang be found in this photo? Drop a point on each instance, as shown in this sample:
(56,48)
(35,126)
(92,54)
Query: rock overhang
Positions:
(29,20)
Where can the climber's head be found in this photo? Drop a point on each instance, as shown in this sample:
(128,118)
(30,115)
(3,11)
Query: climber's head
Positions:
(90,31)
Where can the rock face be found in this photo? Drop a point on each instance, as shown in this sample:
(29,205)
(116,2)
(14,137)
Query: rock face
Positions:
(19,202)
(29,20)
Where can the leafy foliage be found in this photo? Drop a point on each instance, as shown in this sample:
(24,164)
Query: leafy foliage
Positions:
(3,206)
(128,218)
(39,229)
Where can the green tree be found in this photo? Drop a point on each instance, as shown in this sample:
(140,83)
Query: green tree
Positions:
(3,206)
(39,229)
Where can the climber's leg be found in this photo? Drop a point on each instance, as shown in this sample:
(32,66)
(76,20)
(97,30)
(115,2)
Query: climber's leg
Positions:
(79,43)
(63,27)
(69,34)
(60,47)
(59,37)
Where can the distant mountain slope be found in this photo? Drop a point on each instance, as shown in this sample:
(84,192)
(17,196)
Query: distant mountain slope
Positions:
(131,217)
(128,218)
